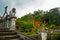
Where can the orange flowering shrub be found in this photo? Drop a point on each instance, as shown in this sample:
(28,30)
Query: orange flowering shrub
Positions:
(31,20)
(34,29)
(38,25)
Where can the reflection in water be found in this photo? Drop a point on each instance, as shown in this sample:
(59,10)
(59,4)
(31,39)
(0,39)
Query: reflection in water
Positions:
(53,37)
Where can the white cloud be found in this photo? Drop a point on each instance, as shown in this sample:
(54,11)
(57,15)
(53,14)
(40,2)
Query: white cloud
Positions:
(29,6)
(51,4)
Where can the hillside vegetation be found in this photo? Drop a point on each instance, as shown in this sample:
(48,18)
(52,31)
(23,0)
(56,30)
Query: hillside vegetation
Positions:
(34,22)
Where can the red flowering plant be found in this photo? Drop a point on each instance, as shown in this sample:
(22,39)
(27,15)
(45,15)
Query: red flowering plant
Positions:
(38,25)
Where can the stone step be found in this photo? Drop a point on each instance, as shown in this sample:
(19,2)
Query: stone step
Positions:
(7,33)
(4,28)
(10,37)
(15,39)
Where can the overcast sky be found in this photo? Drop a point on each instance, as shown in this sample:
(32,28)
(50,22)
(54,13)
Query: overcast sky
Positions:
(23,7)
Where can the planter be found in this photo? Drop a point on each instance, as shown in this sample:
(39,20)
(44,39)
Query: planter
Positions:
(43,35)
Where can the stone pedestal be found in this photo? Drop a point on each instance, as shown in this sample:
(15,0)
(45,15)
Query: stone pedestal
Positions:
(43,35)
(13,24)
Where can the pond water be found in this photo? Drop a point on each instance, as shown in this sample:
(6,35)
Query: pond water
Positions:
(49,37)
(53,37)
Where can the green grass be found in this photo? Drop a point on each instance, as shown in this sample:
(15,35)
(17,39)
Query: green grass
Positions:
(55,33)
(34,33)
(29,33)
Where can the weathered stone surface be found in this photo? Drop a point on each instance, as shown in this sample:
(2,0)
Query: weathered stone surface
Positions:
(6,34)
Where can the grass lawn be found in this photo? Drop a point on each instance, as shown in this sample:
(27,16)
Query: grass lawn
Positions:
(29,33)
(34,33)
(54,33)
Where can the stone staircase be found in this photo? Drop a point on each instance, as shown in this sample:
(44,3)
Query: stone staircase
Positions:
(6,34)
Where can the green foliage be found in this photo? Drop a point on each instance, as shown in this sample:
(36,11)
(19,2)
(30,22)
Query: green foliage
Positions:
(25,26)
(52,18)
(18,21)
(52,26)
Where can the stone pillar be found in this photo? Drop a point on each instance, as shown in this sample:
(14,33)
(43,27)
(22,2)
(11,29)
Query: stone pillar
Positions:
(13,24)
(7,24)
(0,25)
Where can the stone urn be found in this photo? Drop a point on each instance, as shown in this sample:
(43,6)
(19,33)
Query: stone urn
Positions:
(44,35)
